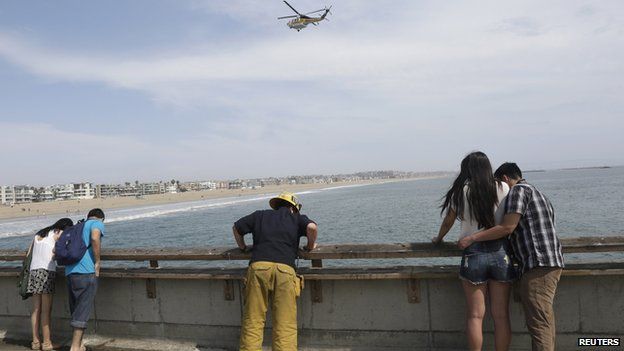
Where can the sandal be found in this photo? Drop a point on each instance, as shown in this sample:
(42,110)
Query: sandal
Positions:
(35,345)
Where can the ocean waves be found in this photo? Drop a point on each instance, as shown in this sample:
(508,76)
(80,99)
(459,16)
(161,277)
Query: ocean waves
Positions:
(27,226)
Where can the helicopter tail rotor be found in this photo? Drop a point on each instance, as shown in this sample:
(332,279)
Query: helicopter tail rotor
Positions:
(327,10)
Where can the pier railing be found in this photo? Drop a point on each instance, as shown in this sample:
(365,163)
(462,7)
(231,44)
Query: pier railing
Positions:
(329,251)
(317,273)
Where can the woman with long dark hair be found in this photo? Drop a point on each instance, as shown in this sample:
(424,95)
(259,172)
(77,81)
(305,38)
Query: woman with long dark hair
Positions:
(486,267)
(41,282)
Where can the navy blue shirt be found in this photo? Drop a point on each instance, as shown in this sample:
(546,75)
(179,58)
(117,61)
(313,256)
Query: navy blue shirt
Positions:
(276,234)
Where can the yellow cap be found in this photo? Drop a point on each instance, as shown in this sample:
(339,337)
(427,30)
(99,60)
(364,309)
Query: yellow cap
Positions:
(285,196)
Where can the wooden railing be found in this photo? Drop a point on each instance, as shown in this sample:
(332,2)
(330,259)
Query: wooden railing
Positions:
(317,273)
(331,251)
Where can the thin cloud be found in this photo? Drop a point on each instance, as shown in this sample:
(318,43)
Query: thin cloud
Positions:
(383,85)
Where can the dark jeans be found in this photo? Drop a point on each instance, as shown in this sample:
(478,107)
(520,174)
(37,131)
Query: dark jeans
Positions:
(81,289)
(488,260)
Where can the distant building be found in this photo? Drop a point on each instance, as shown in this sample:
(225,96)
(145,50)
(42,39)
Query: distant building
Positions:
(16,194)
(207,185)
(253,184)
(107,190)
(152,188)
(65,192)
(236,184)
(83,191)
(47,194)
(269,181)
(172,188)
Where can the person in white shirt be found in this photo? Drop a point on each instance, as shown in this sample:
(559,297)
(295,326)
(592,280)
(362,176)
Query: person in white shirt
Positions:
(486,267)
(41,281)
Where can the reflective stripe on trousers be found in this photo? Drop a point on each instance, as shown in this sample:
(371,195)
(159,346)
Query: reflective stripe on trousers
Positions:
(276,281)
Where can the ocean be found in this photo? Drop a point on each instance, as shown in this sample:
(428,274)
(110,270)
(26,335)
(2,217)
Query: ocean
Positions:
(587,202)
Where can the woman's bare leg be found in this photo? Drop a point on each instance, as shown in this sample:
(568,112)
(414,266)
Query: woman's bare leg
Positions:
(34,317)
(499,308)
(46,315)
(475,310)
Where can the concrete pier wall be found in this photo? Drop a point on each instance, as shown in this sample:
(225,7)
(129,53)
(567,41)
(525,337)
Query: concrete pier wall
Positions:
(353,314)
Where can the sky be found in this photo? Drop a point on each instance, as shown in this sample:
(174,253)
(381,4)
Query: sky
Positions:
(109,91)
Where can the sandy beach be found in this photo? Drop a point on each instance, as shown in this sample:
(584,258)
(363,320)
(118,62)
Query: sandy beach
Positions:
(82,206)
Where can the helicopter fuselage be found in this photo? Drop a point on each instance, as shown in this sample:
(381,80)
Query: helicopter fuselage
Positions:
(300,23)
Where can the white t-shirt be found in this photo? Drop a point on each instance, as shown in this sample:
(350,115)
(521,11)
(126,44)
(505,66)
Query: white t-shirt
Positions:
(43,253)
(469,225)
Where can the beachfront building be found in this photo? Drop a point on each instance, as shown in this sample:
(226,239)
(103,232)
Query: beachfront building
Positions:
(253,184)
(129,189)
(83,191)
(47,194)
(236,184)
(198,186)
(152,188)
(106,190)
(16,194)
(6,195)
(269,181)
(207,185)
(65,192)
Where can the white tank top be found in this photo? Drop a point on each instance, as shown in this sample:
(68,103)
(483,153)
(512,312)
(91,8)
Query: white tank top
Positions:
(43,253)
(470,225)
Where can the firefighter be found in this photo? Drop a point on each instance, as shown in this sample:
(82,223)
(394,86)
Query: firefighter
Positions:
(271,280)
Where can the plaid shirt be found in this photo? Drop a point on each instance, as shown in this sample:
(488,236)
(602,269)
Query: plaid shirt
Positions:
(534,241)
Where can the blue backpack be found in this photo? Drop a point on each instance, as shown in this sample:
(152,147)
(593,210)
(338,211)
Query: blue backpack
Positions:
(70,247)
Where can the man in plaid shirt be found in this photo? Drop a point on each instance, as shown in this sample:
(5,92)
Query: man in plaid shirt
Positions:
(530,220)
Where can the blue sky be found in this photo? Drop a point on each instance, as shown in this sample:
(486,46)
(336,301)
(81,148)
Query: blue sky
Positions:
(122,90)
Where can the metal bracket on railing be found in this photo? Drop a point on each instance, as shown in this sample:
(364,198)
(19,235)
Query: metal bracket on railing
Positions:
(413,291)
(150,284)
(228,290)
(317,285)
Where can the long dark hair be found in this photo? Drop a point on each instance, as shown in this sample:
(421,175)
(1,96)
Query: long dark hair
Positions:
(61,224)
(476,173)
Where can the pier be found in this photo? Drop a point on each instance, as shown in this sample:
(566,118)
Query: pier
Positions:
(412,307)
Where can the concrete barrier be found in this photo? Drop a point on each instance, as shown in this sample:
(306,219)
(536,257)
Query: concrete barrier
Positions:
(371,314)
(348,308)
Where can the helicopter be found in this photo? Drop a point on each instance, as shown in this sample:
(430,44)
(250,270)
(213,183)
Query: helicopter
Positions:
(301,21)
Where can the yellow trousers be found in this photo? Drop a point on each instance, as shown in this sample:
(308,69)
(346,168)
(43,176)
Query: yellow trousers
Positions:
(278,281)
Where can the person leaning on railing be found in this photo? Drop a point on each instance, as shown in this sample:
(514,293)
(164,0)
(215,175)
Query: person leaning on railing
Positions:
(486,269)
(271,271)
(530,219)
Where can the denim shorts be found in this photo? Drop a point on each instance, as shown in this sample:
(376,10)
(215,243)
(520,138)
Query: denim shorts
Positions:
(81,289)
(488,260)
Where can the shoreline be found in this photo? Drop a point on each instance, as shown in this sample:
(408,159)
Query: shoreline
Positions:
(71,207)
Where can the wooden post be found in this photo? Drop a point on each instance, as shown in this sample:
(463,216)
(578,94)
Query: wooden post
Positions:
(150,284)
(228,290)
(413,291)
(317,285)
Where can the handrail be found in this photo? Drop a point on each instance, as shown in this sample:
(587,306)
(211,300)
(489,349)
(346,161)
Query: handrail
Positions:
(325,273)
(330,251)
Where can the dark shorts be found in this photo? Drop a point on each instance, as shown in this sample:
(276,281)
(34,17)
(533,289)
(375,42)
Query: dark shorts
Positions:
(488,260)
(81,289)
